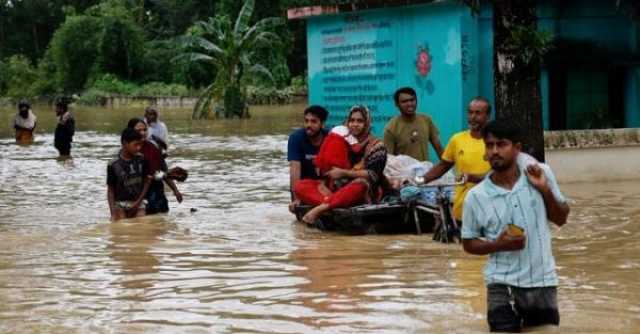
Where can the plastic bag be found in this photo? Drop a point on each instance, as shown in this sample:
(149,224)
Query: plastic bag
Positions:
(401,169)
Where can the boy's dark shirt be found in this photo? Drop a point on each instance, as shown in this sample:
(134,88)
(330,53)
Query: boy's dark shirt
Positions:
(127,177)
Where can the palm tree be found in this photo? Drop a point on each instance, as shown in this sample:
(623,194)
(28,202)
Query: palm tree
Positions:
(231,49)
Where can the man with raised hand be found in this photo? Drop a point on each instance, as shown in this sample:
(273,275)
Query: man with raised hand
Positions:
(506,217)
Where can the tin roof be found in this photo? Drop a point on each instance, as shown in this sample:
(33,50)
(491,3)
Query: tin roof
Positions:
(328,7)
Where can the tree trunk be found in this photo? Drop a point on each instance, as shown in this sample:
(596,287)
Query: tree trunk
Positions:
(517,84)
(34,32)
(2,18)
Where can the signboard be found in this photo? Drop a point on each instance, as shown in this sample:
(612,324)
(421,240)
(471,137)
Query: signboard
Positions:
(363,57)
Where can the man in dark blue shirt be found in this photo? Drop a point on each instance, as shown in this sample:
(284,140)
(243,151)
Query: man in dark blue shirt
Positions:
(303,146)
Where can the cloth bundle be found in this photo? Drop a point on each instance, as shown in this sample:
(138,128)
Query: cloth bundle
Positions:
(334,151)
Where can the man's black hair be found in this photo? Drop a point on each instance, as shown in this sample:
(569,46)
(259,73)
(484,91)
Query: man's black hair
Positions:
(483,100)
(317,111)
(134,121)
(23,103)
(129,135)
(403,90)
(151,109)
(63,102)
(503,129)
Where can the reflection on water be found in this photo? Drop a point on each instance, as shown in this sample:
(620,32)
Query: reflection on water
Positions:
(240,264)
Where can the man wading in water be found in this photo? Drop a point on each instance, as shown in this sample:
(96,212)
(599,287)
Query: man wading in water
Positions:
(506,216)
(65,129)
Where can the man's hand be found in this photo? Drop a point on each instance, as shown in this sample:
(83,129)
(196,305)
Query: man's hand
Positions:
(505,242)
(292,206)
(537,178)
(472,178)
(134,208)
(178,196)
(336,173)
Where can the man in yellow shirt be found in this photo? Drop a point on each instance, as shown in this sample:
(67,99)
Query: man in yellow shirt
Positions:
(410,133)
(466,152)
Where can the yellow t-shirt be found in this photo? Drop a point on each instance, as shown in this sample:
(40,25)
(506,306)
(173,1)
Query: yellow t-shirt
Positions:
(467,154)
(410,138)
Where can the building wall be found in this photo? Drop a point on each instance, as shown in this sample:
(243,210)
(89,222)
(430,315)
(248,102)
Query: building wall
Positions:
(599,22)
(460,47)
(595,164)
(344,71)
(632,98)
(594,155)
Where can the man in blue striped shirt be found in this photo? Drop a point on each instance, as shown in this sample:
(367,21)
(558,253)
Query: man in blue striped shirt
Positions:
(506,216)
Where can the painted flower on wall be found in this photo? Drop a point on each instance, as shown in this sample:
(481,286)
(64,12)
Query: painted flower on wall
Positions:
(423,63)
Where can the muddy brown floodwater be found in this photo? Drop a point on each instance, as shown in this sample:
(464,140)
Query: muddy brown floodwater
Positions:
(240,264)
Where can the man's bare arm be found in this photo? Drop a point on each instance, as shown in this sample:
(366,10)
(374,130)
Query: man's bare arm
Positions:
(504,243)
(557,212)
(437,171)
(435,142)
(111,199)
(294,175)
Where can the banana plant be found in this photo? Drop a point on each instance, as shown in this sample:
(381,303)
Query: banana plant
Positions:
(231,49)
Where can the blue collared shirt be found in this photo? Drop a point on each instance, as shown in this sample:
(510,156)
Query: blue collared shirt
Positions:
(488,209)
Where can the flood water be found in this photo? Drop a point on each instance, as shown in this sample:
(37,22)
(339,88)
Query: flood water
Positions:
(240,264)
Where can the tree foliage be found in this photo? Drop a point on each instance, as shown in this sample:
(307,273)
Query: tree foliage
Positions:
(72,44)
(20,75)
(103,40)
(231,46)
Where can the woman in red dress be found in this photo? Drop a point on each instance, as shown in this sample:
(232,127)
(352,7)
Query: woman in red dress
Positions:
(357,185)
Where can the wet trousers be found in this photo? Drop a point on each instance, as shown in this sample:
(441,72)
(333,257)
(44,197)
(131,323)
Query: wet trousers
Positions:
(308,192)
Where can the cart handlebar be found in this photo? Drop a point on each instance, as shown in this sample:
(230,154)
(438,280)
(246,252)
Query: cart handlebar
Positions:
(459,182)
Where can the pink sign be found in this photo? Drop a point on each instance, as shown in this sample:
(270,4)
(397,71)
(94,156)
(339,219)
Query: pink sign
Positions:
(304,12)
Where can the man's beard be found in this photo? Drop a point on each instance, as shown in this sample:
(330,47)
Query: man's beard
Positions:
(501,165)
(312,134)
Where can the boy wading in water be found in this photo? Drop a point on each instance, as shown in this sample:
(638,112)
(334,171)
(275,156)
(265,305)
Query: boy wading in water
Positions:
(127,178)
(507,216)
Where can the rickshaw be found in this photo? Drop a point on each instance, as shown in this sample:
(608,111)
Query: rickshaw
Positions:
(428,212)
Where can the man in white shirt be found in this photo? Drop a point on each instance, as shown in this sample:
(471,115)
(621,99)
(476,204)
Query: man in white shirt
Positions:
(157,129)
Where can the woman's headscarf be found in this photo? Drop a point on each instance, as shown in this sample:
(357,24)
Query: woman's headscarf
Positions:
(367,119)
(374,158)
(25,117)
(28,123)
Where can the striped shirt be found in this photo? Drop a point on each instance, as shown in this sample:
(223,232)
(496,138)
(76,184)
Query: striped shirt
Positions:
(488,209)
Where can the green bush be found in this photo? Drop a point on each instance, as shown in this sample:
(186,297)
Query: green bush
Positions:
(20,77)
(269,95)
(74,51)
(109,83)
(121,49)
(45,84)
(299,84)
(93,97)
(159,67)
(163,89)
(105,39)
(4,78)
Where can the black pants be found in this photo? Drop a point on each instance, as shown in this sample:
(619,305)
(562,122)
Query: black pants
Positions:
(63,147)
(511,308)
(156,200)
